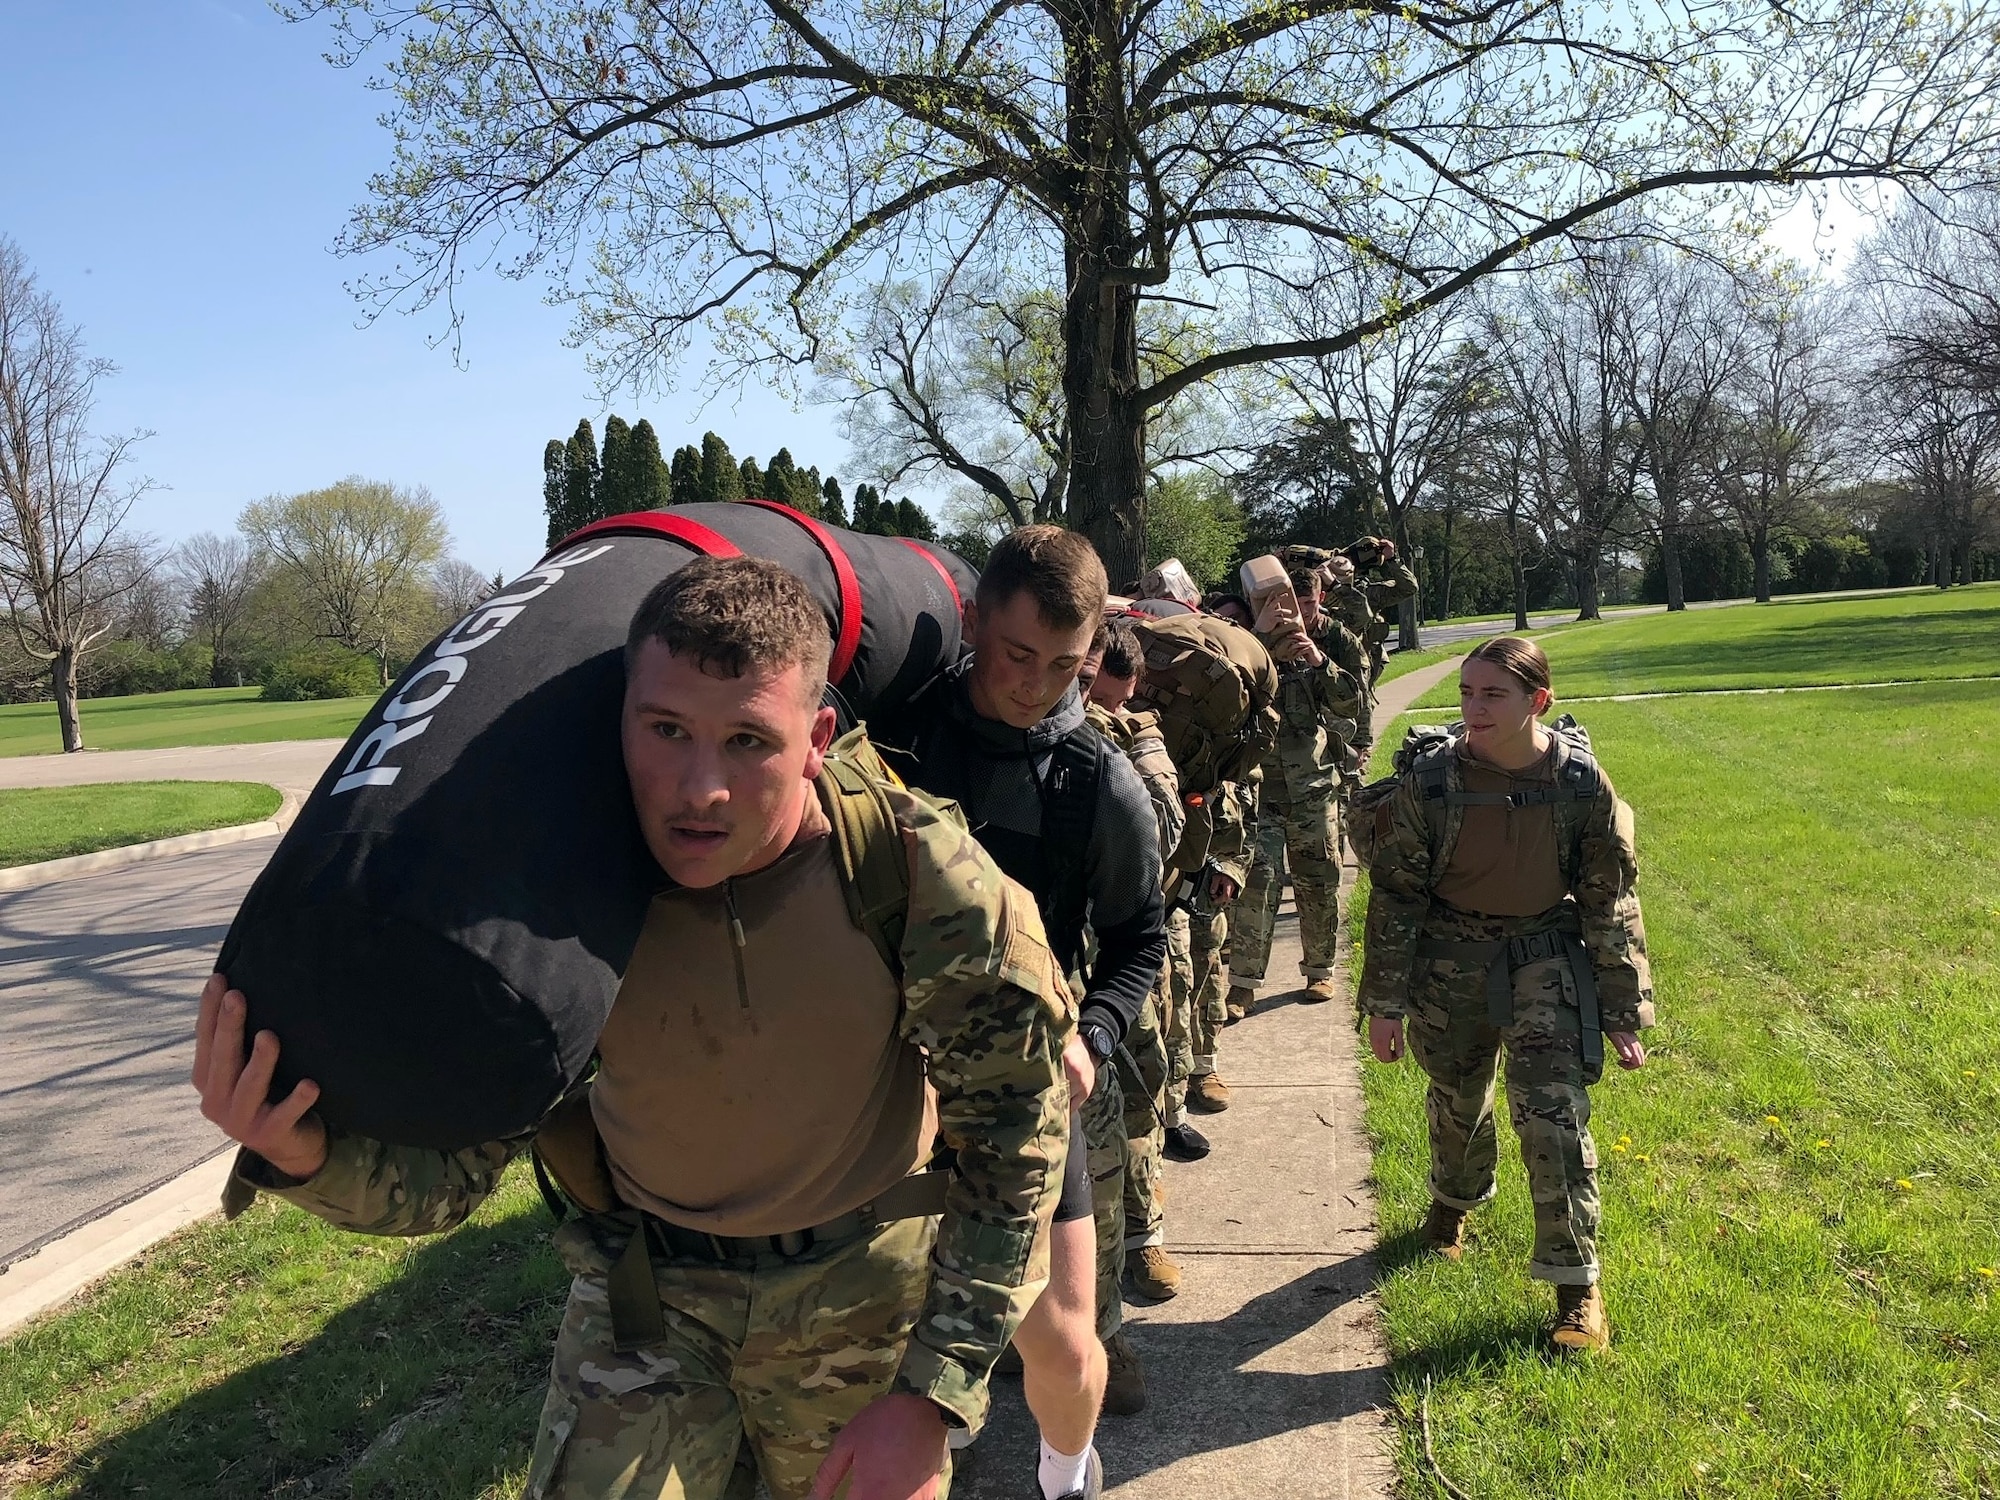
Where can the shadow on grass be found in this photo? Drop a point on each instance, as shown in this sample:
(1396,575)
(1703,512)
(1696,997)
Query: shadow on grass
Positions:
(1864,650)
(428,1386)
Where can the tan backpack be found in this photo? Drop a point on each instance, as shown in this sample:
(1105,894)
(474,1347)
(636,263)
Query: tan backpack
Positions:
(1213,686)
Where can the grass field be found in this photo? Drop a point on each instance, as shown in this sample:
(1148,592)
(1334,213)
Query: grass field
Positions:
(54,822)
(1802,1212)
(1795,643)
(279,1357)
(199,716)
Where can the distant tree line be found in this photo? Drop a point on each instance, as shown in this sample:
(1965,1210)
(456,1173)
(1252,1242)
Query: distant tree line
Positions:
(581,483)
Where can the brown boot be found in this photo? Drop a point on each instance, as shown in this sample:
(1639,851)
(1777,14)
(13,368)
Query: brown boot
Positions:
(1125,1381)
(1238,1003)
(1443,1233)
(1318,992)
(1154,1273)
(1581,1326)
(1208,1093)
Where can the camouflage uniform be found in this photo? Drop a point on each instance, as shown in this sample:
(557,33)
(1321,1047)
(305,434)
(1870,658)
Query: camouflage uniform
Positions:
(1384,595)
(778,1349)
(1140,1214)
(1451,1027)
(1231,850)
(1298,819)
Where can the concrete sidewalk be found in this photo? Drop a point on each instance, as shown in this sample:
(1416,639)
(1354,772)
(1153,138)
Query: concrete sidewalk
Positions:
(289,765)
(1268,1373)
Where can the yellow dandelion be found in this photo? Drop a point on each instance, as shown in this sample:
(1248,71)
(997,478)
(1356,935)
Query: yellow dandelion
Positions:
(1773,1120)
(1618,1149)
(1624,1140)
(1642,1157)
(1905,1184)
(1822,1143)
(1986,1271)
(1970,1072)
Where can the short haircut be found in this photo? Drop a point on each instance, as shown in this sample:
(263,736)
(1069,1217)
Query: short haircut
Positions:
(1214,604)
(1060,569)
(1307,581)
(1123,655)
(734,615)
(1524,659)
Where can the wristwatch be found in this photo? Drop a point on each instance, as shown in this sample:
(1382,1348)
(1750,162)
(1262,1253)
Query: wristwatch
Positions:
(1098,1038)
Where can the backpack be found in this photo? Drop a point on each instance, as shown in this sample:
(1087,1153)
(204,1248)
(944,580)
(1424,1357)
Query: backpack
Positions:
(1424,756)
(1212,685)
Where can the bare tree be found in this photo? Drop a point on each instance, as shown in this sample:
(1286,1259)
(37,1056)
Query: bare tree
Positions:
(742,165)
(217,576)
(1498,464)
(457,586)
(360,552)
(1930,277)
(1779,450)
(1945,446)
(66,558)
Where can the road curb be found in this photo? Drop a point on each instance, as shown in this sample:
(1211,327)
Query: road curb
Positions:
(64,1267)
(49,871)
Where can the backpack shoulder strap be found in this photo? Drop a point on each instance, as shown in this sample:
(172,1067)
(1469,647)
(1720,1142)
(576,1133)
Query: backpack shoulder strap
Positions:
(1069,812)
(868,847)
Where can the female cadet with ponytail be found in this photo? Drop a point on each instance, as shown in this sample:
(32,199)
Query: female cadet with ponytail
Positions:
(1503,919)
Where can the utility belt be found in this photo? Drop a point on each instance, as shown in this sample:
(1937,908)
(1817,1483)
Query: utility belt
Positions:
(636,1318)
(1501,957)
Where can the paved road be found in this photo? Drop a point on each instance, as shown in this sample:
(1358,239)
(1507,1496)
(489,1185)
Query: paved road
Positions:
(99,980)
(288,765)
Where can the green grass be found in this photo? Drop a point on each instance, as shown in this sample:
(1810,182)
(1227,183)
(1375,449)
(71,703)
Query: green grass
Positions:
(1805,1307)
(1402,662)
(265,1357)
(40,823)
(1795,643)
(198,716)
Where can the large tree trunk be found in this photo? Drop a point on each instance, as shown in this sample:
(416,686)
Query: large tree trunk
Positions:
(62,672)
(1406,612)
(1587,607)
(1760,560)
(1107,425)
(1670,564)
(1520,595)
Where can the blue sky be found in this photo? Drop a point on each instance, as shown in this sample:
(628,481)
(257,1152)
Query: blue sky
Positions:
(177,171)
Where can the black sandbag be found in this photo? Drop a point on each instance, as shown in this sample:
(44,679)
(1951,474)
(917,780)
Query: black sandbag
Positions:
(439,936)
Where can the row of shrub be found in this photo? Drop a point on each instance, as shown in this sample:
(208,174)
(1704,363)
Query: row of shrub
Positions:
(320,670)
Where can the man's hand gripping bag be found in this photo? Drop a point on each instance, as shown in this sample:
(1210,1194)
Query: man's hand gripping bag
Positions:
(438,938)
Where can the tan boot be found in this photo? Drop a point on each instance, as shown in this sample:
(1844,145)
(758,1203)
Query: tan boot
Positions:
(1238,1003)
(1125,1380)
(1154,1273)
(1208,1093)
(1318,992)
(1581,1325)
(1443,1233)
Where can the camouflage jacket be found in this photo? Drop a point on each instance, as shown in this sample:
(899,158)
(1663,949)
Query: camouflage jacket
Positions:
(1383,595)
(1138,735)
(1602,871)
(1233,811)
(1318,711)
(1344,648)
(981,995)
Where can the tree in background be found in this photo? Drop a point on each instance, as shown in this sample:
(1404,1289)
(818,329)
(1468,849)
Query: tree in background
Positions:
(647,483)
(456,586)
(1308,482)
(832,507)
(555,490)
(753,480)
(216,576)
(66,558)
(685,478)
(721,479)
(359,555)
(581,473)
(614,471)
(1191,515)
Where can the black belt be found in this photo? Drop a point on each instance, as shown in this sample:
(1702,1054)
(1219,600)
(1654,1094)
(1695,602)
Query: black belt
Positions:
(1500,957)
(636,1319)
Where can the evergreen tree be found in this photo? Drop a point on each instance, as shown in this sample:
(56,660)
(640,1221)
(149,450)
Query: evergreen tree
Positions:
(781,479)
(807,490)
(867,503)
(912,520)
(687,475)
(832,507)
(720,478)
(614,484)
(649,487)
(753,482)
(555,491)
(580,476)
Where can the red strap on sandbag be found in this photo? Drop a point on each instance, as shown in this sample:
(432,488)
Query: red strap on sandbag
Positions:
(689,533)
(847,639)
(957,604)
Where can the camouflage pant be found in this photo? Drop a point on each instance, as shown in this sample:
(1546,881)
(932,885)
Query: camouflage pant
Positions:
(1208,940)
(1104,1135)
(774,1357)
(1548,1098)
(1178,991)
(1303,834)
(1145,1128)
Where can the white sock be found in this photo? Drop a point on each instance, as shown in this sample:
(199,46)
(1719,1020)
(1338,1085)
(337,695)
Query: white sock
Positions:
(1061,1474)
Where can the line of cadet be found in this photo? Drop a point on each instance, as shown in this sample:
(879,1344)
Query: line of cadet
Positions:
(857,1121)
